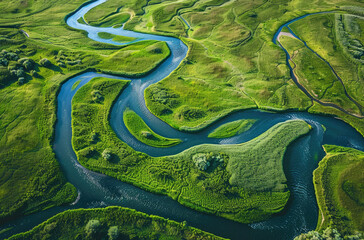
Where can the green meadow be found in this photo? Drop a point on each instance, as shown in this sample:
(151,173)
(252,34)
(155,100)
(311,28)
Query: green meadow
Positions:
(140,130)
(34,70)
(232,64)
(316,76)
(112,223)
(30,176)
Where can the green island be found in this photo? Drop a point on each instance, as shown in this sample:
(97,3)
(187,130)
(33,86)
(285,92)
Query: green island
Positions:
(232,128)
(217,179)
(231,65)
(139,129)
(115,38)
(112,223)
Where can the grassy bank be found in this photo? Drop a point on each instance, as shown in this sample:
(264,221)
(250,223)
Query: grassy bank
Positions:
(209,178)
(339,190)
(140,130)
(112,223)
(232,128)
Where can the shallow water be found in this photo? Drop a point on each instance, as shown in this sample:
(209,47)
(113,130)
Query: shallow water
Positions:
(97,190)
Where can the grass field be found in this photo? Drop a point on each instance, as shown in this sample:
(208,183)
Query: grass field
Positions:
(136,59)
(339,189)
(329,46)
(316,76)
(30,177)
(140,130)
(241,70)
(112,223)
(232,128)
(209,178)
(243,64)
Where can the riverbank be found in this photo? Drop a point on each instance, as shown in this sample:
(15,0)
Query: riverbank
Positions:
(114,222)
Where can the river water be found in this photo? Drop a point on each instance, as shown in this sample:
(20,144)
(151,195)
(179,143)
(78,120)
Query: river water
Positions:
(98,190)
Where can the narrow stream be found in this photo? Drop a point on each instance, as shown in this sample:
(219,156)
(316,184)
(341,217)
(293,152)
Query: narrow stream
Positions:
(98,190)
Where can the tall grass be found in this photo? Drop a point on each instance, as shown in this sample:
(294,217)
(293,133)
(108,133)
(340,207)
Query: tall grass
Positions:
(129,223)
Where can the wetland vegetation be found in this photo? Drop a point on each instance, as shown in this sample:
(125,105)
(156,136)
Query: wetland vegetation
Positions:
(112,223)
(224,179)
(231,65)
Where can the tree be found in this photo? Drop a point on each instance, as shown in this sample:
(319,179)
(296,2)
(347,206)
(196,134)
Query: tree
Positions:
(20,73)
(45,62)
(113,233)
(21,81)
(97,96)
(107,154)
(28,64)
(4,62)
(92,227)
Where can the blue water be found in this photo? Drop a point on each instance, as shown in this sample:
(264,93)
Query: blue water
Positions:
(97,190)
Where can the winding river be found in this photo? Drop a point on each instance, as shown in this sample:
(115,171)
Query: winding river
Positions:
(98,190)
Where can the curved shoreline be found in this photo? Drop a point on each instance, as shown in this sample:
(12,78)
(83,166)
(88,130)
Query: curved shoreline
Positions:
(100,190)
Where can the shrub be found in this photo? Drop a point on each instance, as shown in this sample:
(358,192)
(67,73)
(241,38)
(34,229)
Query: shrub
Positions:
(20,73)
(94,137)
(88,152)
(201,161)
(34,73)
(45,62)
(107,154)
(4,61)
(204,160)
(147,134)
(113,233)
(12,56)
(328,233)
(92,227)
(28,65)
(96,96)
(21,80)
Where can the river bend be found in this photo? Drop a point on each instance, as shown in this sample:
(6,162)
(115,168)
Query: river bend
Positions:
(98,190)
